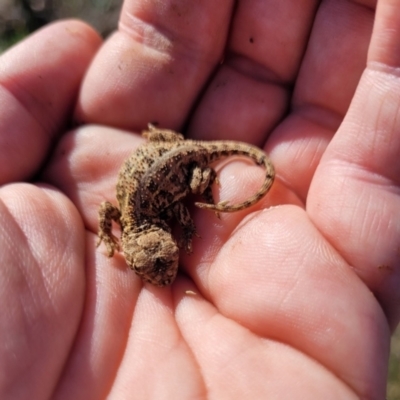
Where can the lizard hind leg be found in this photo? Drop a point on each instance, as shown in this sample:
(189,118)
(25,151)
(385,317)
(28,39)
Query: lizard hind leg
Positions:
(201,182)
(202,179)
(107,214)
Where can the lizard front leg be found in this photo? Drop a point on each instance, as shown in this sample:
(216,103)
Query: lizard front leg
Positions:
(184,219)
(107,214)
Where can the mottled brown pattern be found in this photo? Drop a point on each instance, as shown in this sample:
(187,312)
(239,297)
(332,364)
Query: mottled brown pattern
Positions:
(151,186)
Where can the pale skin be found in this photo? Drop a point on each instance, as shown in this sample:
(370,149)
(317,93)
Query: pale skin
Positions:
(293,298)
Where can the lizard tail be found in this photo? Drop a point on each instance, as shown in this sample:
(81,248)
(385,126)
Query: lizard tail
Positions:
(261,159)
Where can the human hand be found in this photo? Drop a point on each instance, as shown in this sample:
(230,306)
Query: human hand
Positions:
(293,301)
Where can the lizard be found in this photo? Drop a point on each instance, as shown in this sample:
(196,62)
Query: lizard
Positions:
(151,185)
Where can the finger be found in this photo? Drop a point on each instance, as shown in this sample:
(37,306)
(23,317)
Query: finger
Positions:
(157,362)
(153,68)
(356,188)
(384,47)
(111,296)
(39,81)
(250,91)
(278,277)
(330,69)
(41,287)
(234,361)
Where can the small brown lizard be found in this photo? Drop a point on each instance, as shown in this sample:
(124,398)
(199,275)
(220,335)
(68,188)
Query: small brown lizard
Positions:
(151,186)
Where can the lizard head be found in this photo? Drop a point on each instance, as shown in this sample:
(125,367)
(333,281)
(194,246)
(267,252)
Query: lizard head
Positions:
(153,255)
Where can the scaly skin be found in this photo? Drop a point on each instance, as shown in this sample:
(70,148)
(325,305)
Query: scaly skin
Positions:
(151,186)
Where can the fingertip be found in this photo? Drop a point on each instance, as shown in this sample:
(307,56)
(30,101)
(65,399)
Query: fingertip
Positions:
(39,82)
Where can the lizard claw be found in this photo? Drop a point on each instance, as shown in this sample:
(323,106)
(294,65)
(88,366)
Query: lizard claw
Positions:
(111,243)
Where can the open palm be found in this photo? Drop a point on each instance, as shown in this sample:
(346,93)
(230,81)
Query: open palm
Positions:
(294,298)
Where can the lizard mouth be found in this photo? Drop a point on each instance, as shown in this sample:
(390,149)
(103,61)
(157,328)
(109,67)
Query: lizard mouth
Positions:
(163,273)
